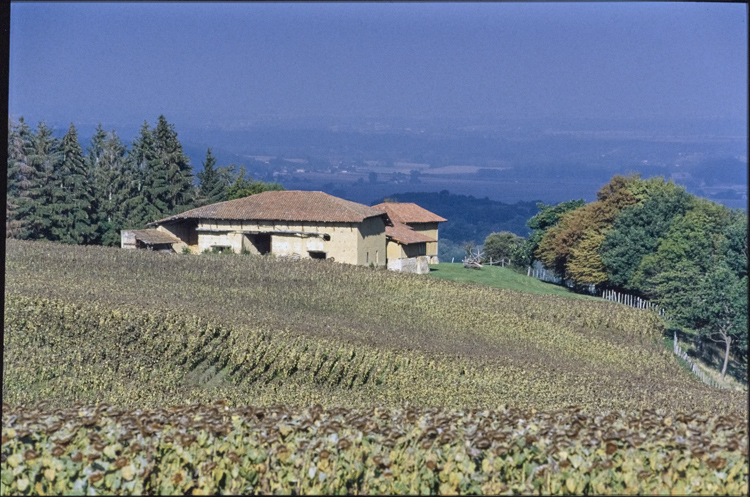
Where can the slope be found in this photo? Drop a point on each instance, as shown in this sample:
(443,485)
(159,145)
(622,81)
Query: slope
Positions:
(93,324)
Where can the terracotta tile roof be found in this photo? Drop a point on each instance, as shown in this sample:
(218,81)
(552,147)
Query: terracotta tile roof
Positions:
(404,235)
(409,213)
(154,237)
(283,206)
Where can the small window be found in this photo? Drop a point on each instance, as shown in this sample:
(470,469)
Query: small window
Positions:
(327,237)
(367,257)
(314,254)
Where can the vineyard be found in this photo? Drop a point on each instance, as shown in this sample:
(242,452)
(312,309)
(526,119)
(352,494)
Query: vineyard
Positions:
(131,333)
(248,450)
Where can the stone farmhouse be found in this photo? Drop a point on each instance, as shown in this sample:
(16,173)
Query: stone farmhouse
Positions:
(296,224)
(414,231)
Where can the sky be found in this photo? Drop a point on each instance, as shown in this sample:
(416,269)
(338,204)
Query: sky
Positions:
(218,63)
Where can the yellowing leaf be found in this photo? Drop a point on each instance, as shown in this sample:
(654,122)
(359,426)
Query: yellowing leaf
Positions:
(128,472)
(571,485)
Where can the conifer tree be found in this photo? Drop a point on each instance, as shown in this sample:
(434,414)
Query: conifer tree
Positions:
(148,183)
(72,196)
(112,186)
(213,184)
(18,177)
(179,173)
(34,205)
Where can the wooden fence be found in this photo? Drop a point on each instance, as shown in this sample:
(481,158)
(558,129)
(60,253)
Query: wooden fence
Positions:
(630,300)
(693,367)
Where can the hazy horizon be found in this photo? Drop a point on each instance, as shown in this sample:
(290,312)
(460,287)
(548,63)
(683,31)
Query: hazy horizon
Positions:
(215,64)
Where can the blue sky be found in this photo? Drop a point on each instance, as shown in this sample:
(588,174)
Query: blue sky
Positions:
(219,63)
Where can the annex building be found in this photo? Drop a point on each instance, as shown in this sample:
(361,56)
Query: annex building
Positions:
(297,224)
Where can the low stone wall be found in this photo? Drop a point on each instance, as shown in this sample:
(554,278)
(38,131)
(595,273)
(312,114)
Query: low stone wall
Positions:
(418,265)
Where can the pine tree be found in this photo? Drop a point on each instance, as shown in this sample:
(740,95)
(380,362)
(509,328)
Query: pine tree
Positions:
(113,187)
(19,146)
(72,196)
(148,183)
(180,180)
(34,204)
(111,180)
(213,184)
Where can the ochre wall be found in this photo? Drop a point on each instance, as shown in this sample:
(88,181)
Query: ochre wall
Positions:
(394,251)
(431,230)
(371,242)
(348,243)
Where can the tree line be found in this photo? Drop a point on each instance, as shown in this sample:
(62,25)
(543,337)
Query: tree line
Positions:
(58,192)
(650,238)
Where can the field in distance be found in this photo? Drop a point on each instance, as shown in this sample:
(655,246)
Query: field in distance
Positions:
(140,329)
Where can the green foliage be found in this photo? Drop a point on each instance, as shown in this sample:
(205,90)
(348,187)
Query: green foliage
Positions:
(213,182)
(547,217)
(180,194)
(712,301)
(40,158)
(571,248)
(734,244)
(244,186)
(72,199)
(215,449)
(22,180)
(147,182)
(113,184)
(637,230)
(503,245)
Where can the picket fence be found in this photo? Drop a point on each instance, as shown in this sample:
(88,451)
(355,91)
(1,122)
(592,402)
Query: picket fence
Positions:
(631,301)
(693,367)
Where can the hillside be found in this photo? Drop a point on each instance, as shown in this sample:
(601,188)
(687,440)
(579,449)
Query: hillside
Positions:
(132,328)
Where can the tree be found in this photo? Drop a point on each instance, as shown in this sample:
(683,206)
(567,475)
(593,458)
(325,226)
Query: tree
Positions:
(373,177)
(502,245)
(245,186)
(695,236)
(21,176)
(637,229)
(180,193)
(112,184)
(714,303)
(72,198)
(547,217)
(147,182)
(34,204)
(734,244)
(571,248)
(214,183)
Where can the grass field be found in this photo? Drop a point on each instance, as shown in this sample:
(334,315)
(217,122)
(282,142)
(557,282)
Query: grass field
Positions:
(499,277)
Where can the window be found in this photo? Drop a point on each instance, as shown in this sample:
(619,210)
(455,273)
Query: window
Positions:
(327,237)
(367,257)
(314,254)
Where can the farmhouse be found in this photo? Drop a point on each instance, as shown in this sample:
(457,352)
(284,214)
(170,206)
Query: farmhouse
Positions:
(414,231)
(298,224)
